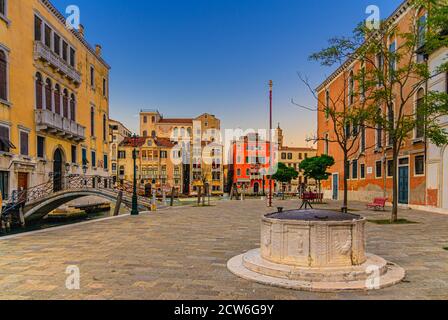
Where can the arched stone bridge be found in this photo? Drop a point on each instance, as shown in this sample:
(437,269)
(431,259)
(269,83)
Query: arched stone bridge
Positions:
(38,201)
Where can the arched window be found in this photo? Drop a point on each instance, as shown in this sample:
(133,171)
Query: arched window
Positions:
(176,132)
(48,99)
(104,128)
(92,121)
(182,132)
(189,132)
(39,88)
(3,76)
(57,99)
(153,134)
(145,133)
(420,114)
(73,107)
(65,104)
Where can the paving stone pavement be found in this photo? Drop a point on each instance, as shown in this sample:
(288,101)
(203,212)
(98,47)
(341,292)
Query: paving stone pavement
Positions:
(181,253)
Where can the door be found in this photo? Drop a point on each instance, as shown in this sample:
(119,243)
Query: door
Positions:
(335,187)
(256,187)
(57,171)
(22,183)
(403,185)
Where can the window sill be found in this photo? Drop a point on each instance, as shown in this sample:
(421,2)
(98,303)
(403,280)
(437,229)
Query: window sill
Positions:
(5,19)
(5,103)
(418,140)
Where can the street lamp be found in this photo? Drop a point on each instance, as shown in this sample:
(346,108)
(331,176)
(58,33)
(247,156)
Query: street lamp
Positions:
(134,211)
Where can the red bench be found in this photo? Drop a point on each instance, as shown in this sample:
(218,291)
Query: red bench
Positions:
(378,204)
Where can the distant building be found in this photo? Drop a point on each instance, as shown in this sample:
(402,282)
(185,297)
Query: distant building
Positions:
(117,133)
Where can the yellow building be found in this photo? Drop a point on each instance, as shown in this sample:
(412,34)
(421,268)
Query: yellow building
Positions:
(54,99)
(292,157)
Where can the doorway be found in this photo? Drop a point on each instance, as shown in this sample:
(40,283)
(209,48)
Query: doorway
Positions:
(335,186)
(256,187)
(22,181)
(57,170)
(403,181)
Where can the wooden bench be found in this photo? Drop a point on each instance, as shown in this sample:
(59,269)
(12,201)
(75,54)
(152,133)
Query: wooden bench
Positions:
(378,204)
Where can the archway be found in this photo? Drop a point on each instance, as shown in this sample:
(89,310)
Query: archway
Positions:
(57,170)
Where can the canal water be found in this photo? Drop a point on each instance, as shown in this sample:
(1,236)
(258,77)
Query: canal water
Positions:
(48,223)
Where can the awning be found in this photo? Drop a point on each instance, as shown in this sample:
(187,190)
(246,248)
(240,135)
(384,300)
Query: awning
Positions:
(6,144)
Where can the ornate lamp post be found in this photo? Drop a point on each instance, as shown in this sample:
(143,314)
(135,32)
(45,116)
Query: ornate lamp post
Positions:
(134,211)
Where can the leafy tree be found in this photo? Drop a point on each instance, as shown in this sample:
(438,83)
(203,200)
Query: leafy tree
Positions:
(285,174)
(316,168)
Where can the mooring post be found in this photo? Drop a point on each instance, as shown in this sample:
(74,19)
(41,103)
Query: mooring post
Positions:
(22,217)
(118,204)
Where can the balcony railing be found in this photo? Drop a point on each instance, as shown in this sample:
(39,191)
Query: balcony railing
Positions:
(41,51)
(53,123)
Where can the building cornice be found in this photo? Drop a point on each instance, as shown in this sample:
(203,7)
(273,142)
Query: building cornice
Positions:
(58,15)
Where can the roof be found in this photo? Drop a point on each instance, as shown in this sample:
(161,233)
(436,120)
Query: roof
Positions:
(172,121)
(61,18)
(297,149)
(118,122)
(141,141)
(393,17)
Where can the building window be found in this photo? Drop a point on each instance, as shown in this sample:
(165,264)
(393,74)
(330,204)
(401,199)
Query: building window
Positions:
(73,107)
(379,169)
(48,93)
(327,104)
(421,25)
(145,133)
(85,162)
(37,28)
(283,156)
(39,87)
(64,51)
(163,154)
(47,34)
(65,99)
(289,156)
(104,128)
(327,145)
(392,59)
(4,184)
(74,155)
(351,88)
(92,121)
(57,44)
(106,162)
(40,147)
(92,76)
(391,125)
(145,119)
(363,138)
(390,168)
(379,132)
(3,7)
(24,146)
(104,87)
(57,99)
(3,76)
(114,167)
(5,143)
(420,114)
(93,158)
(121,154)
(355,169)
(419,165)
(72,57)
(362,171)
(238,172)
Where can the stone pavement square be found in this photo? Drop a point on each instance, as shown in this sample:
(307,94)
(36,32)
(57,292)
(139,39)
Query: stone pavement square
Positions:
(181,253)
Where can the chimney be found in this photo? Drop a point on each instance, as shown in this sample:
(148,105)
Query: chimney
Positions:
(81,30)
(98,50)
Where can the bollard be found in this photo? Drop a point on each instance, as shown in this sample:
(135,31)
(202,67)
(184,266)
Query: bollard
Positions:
(118,204)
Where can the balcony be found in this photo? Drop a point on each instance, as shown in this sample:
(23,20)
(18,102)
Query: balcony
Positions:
(53,123)
(44,53)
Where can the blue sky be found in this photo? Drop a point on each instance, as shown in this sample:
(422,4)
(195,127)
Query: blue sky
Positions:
(187,57)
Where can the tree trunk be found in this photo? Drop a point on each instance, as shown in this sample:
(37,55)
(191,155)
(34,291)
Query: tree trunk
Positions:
(394,217)
(346,172)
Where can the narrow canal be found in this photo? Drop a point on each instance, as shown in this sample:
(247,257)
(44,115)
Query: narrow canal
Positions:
(49,222)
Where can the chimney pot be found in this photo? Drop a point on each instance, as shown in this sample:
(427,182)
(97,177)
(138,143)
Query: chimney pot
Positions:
(98,49)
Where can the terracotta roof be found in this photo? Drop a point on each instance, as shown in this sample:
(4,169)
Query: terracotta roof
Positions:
(164,142)
(297,149)
(183,121)
(129,142)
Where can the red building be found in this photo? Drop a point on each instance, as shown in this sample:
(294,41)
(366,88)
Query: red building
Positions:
(250,164)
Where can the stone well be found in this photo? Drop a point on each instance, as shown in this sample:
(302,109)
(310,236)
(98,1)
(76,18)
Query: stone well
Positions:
(315,250)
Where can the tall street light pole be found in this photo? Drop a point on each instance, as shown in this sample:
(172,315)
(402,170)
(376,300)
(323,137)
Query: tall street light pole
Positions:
(271,84)
(134,211)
